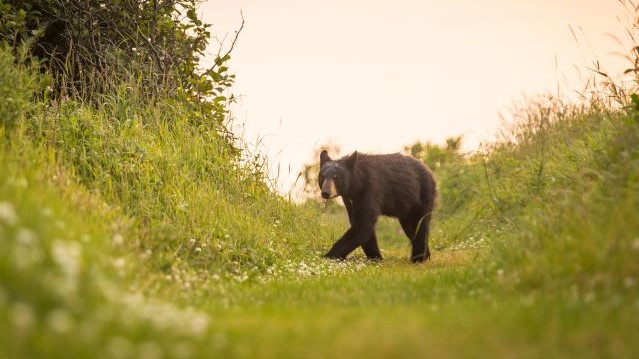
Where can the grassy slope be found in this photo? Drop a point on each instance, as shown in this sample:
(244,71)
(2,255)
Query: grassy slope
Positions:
(128,231)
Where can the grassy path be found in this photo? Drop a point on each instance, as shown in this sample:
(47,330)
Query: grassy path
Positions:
(394,309)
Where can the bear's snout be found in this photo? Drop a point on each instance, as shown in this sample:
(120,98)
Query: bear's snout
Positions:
(328,189)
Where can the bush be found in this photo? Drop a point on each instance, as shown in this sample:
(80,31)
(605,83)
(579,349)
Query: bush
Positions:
(93,47)
(19,83)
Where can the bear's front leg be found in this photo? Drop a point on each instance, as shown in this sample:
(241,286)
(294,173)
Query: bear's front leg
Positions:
(335,253)
(371,249)
(353,238)
(339,249)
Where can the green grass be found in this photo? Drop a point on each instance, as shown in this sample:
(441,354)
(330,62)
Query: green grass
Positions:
(129,229)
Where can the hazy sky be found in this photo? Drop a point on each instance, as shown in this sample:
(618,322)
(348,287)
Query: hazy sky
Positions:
(376,75)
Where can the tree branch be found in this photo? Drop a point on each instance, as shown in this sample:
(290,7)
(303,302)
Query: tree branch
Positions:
(237,35)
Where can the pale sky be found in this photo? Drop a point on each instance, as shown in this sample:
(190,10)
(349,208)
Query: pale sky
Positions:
(377,75)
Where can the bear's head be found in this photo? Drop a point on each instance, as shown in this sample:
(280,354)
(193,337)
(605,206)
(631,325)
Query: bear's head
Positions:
(335,176)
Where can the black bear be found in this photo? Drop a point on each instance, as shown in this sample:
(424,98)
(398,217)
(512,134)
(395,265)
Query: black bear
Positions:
(372,185)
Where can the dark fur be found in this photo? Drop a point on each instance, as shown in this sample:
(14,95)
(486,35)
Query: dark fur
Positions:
(372,185)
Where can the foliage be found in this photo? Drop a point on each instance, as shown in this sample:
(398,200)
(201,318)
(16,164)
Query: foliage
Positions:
(92,47)
(435,156)
(448,164)
(20,83)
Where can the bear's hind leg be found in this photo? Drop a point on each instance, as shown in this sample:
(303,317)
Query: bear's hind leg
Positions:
(420,243)
(416,229)
(371,249)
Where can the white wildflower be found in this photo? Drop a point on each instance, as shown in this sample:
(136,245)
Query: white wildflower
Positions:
(241,278)
(27,252)
(146,254)
(68,256)
(60,321)
(7,213)
(120,347)
(150,350)
(117,240)
(629,282)
(21,182)
(26,237)
(199,322)
(589,297)
(119,263)
(22,316)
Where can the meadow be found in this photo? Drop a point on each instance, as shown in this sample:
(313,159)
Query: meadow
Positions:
(137,227)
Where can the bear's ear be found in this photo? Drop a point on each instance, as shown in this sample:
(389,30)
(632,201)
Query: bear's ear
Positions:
(351,161)
(324,157)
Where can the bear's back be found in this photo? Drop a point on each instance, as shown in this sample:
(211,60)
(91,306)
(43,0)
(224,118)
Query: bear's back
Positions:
(398,183)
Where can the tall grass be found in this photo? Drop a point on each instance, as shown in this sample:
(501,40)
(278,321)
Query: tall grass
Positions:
(105,206)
